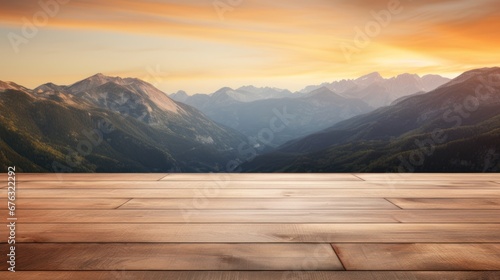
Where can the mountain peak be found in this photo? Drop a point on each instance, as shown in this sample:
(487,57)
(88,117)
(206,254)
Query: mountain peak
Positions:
(324,93)
(481,71)
(372,76)
(102,77)
(475,73)
(10,85)
(249,87)
(406,78)
(180,95)
(181,92)
(98,85)
(48,88)
(224,89)
(407,75)
(92,82)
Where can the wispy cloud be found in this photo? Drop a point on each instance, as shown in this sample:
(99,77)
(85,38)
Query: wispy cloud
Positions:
(286,37)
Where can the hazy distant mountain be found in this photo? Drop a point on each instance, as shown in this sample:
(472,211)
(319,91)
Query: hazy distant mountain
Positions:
(454,128)
(180,96)
(432,82)
(248,111)
(69,126)
(377,91)
(261,93)
(227,95)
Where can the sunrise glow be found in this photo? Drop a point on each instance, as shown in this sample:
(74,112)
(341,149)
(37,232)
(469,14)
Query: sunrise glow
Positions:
(201,46)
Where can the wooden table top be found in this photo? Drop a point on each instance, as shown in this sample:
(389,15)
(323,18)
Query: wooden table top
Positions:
(254,226)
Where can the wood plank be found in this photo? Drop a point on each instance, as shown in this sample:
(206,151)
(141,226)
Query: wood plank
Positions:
(89,176)
(251,275)
(260,233)
(429,176)
(261,177)
(200,204)
(446,203)
(254,193)
(214,216)
(3,179)
(259,204)
(257,216)
(86,203)
(446,216)
(254,184)
(119,256)
(419,256)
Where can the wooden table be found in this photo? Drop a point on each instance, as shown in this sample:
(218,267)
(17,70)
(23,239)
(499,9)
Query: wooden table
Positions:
(254,226)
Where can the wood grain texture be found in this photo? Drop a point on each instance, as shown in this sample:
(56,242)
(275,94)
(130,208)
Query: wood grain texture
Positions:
(89,176)
(252,275)
(213,216)
(258,216)
(116,256)
(254,185)
(88,203)
(255,193)
(262,177)
(260,233)
(203,222)
(259,204)
(429,176)
(446,203)
(419,256)
(447,216)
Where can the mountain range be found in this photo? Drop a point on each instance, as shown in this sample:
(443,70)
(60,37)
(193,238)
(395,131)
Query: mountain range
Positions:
(454,128)
(377,91)
(108,124)
(250,109)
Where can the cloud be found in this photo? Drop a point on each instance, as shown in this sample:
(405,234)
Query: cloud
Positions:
(295,37)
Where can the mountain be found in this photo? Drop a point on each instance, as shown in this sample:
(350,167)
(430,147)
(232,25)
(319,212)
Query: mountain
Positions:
(249,109)
(432,82)
(377,91)
(10,85)
(274,121)
(108,124)
(454,128)
(227,95)
(261,93)
(180,96)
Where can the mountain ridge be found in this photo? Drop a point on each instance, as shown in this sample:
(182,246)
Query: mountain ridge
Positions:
(248,109)
(378,91)
(55,122)
(381,140)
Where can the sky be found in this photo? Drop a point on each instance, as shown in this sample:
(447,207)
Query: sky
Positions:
(202,45)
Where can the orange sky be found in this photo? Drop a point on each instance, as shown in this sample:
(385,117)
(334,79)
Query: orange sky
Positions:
(193,45)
